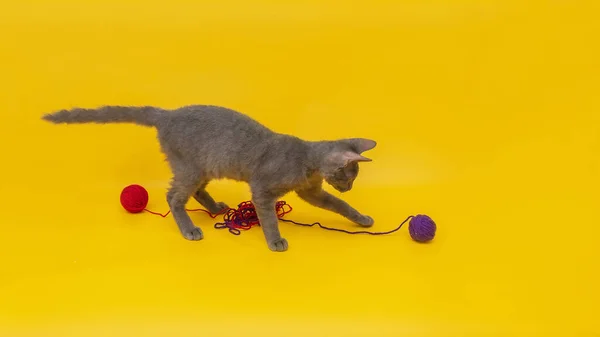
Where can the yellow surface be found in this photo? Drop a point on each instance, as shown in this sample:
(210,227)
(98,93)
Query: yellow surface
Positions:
(486,115)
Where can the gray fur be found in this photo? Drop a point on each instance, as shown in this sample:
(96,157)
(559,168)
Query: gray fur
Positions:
(147,116)
(203,143)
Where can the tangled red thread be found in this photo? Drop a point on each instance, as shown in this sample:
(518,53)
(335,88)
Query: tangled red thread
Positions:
(134,198)
(245,217)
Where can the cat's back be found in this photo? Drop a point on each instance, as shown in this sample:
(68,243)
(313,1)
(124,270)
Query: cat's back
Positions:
(221,142)
(212,130)
(214,120)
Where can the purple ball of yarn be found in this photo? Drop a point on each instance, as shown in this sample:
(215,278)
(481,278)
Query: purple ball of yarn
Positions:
(422,228)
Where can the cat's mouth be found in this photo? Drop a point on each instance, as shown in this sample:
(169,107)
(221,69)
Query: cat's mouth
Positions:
(342,189)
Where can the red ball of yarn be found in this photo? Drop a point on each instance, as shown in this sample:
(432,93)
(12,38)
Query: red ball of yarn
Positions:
(134,198)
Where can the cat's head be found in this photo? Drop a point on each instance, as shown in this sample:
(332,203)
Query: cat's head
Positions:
(340,165)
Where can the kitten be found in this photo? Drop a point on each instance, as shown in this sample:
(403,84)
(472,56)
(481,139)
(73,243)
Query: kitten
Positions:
(203,142)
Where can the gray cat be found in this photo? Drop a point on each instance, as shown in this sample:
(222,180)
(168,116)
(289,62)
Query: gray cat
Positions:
(202,143)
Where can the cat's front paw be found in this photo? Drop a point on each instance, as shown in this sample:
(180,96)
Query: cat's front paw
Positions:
(279,245)
(193,234)
(365,221)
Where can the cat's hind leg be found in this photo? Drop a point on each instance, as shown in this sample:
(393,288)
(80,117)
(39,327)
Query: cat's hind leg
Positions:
(204,199)
(181,190)
(186,180)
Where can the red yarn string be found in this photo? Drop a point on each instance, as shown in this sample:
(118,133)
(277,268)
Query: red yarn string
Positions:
(134,198)
(189,210)
(242,218)
(245,217)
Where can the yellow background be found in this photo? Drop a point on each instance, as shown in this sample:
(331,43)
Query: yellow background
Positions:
(486,116)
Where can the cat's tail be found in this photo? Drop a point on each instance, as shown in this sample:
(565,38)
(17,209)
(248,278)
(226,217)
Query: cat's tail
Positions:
(147,116)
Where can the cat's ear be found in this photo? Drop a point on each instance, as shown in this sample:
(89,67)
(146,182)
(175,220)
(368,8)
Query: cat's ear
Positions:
(362,144)
(350,157)
(342,159)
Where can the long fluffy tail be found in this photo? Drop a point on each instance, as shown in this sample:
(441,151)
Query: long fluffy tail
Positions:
(147,115)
